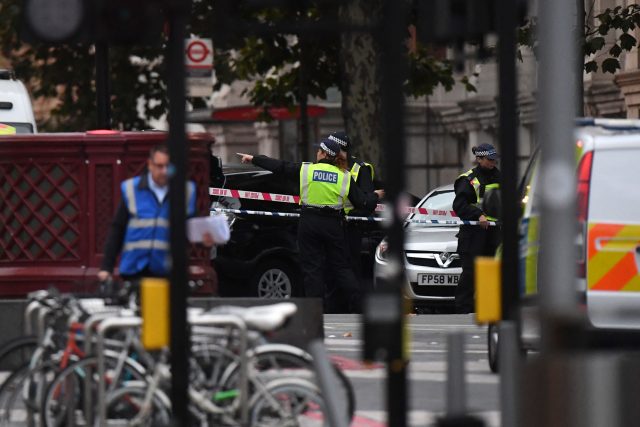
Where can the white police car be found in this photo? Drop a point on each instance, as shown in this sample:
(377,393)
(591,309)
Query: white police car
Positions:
(432,264)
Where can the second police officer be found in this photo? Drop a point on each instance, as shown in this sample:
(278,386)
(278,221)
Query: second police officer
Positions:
(324,192)
(475,240)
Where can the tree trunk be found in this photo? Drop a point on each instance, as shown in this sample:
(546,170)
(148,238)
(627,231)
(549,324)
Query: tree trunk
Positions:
(579,37)
(359,61)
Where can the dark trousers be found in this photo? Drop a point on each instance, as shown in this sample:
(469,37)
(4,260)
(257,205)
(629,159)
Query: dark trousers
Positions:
(336,301)
(323,249)
(472,242)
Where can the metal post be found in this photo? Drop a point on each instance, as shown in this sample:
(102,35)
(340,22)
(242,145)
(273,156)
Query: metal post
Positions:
(177,16)
(456,390)
(103,92)
(391,35)
(509,366)
(508,135)
(303,93)
(557,107)
(335,407)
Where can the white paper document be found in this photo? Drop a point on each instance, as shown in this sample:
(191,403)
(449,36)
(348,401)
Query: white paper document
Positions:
(216,225)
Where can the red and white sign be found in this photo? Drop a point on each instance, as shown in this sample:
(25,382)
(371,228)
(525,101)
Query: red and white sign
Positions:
(199,64)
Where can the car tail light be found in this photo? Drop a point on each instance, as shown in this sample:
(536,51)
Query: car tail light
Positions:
(584,181)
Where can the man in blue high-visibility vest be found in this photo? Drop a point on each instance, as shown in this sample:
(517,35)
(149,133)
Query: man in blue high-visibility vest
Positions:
(324,192)
(140,228)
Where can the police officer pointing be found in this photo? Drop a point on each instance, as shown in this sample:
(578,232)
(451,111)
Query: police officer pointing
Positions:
(362,174)
(324,192)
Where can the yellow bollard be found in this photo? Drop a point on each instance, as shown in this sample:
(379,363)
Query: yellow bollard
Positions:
(155,313)
(488,292)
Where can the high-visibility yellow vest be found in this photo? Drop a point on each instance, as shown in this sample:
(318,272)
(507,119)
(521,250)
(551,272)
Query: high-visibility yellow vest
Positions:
(355,172)
(477,186)
(355,169)
(323,185)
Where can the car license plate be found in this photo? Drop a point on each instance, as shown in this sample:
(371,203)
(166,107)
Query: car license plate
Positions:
(438,279)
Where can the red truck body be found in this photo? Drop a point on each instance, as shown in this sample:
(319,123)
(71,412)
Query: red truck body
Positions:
(58,194)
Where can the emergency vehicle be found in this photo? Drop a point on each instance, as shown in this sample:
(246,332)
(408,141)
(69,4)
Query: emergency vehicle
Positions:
(608,238)
(16,112)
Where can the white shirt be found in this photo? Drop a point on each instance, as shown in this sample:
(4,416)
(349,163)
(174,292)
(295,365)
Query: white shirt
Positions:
(159,191)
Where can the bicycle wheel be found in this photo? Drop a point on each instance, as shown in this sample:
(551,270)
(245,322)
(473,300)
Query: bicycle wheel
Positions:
(288,402)
(125,404)
(17,352)
(65,402)
(273,361)
(20,394)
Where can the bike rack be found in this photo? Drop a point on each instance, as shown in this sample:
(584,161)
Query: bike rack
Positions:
(105,326)
(89,327)
(232,320)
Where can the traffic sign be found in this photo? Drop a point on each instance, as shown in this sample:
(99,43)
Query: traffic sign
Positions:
(199,67)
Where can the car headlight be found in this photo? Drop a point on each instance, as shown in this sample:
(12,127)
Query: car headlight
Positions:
(382,251)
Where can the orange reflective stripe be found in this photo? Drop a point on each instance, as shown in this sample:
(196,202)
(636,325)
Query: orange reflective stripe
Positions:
(600,230)
(618,277)
(611,257)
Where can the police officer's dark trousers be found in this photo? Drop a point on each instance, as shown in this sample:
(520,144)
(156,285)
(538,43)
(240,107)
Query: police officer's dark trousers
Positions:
(473,241)
(323,248)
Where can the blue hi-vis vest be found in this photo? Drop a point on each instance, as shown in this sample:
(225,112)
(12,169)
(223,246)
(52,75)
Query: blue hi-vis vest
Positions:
(323,185)
(146,240)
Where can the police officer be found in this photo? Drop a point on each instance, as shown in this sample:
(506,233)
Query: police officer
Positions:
(362,174)
(475,240)
(324,191)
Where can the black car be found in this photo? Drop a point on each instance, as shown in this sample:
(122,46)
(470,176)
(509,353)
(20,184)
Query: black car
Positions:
(261,258)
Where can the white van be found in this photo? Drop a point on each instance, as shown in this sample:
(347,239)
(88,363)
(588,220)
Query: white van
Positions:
(608,238)
(16,112)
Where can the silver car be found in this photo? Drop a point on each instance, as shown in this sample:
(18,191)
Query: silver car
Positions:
(432,264)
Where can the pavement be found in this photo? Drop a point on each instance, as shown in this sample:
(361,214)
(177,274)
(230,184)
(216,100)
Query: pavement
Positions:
(427,373)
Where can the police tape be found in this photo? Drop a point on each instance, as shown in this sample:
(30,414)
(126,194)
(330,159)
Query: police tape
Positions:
(287,198)
(354,218)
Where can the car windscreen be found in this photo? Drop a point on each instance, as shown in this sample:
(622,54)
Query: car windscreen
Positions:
(438,200)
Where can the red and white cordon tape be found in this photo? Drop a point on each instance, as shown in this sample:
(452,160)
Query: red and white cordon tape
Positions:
(286,198)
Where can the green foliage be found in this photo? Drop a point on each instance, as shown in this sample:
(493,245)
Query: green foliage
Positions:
(619,19)
(272,62)
(610,65)
(66,73)
(426,72)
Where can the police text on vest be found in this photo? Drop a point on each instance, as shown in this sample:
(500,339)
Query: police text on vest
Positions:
(323,176)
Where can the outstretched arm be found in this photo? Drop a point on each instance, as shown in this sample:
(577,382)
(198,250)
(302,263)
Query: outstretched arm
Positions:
(291,170)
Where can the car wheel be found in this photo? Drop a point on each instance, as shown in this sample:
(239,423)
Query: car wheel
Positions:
(276,279)
(492,347)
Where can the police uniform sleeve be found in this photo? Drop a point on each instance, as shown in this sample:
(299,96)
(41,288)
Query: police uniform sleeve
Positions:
(365,182)
(463,202)
(360,199)
(291,170)
(116,237)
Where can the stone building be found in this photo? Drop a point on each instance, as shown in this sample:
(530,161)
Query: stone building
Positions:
(442,128)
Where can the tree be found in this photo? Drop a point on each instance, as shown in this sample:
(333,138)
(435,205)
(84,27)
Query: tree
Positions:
(591,38)
(269,59)
(66,73)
